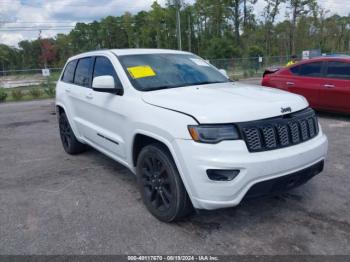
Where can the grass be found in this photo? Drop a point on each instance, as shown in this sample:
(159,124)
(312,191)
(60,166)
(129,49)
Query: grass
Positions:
(27,93)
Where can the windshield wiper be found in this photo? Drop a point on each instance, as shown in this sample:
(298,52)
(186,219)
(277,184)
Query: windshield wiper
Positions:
(159,88)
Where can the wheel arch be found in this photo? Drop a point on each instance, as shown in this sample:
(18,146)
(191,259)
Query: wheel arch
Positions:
(62,109)
(141,139)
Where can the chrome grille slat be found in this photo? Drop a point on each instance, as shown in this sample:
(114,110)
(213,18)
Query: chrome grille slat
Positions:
(279,132)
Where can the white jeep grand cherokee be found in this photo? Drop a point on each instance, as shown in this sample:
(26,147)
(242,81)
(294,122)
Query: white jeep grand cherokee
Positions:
(193,137)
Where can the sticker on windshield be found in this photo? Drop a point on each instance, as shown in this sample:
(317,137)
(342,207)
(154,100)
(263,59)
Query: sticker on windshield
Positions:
(141,71)
(199,62)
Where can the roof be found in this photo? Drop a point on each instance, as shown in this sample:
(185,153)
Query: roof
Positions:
(138,51)
(328,58)
(129,51)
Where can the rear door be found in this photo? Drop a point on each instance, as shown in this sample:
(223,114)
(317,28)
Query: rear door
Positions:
(67,85)
(335,90)
(306,80)
(80,89)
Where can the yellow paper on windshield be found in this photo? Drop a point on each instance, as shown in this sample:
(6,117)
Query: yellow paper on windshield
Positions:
(141,71)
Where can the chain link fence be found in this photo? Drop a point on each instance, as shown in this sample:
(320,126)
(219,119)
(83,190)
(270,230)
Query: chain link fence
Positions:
(241,68)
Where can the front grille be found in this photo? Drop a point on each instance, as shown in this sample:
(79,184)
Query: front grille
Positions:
(279,132)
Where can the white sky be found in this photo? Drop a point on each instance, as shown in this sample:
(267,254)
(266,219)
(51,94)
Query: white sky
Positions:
(61,13)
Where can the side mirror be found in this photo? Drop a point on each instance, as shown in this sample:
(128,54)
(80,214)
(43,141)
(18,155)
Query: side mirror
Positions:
(224,72)
(106,84)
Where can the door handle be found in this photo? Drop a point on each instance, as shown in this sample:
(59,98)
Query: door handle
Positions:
(290,84)
(67,90)
(329,86)
(89,96)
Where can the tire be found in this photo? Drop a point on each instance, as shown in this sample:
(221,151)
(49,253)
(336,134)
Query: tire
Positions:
(160,184)
(69,141)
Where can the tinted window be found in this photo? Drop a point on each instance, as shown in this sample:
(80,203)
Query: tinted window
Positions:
(104,67)
(311,69)
(338,70)
(82,73)
(295,70)
(68,74)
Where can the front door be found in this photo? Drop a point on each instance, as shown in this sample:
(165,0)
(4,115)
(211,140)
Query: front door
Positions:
(104,113)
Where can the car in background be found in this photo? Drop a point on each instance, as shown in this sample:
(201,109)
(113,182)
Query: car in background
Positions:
(323,81)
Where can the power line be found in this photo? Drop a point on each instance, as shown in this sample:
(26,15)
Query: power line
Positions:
(41,22)
(33,29)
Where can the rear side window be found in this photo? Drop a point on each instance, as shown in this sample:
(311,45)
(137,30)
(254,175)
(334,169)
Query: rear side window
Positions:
(104,67)
(311,69)
(83,72)
(295,70)
(68,74)
(338,70)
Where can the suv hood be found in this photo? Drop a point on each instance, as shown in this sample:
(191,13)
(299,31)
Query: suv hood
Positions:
(226,102)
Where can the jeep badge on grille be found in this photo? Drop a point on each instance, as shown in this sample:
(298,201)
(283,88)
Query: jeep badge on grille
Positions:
(286,110)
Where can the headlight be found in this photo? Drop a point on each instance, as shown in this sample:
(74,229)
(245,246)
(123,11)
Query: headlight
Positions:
(213,133)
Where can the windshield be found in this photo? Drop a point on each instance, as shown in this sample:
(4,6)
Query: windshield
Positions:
(160,71)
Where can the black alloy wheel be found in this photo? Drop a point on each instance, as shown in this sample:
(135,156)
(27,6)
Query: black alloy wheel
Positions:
(156,183)
(160,184)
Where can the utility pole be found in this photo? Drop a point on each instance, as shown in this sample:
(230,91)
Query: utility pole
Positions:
(42,49)
(189,33)
(178,24)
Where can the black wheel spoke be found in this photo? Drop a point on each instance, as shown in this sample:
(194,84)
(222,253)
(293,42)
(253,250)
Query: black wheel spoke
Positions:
(162,169)
(151,193)
(165,201)
(167,194)
(157,201)
(146,172)
(149,164)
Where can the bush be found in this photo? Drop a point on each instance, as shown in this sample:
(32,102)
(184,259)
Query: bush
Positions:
(3,95)
(17,94)
(35,92)
(50,91)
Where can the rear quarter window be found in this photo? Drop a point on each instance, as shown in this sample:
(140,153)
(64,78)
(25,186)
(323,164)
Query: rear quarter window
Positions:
(68,74)
(295,70)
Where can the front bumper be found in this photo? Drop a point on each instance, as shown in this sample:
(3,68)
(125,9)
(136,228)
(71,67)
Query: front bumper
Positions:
(193,159)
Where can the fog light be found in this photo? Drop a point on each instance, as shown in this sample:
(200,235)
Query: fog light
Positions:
(222,174)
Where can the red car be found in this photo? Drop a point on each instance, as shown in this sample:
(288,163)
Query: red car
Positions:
(324,82)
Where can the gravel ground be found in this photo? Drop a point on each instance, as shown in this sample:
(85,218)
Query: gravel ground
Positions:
(53,203)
